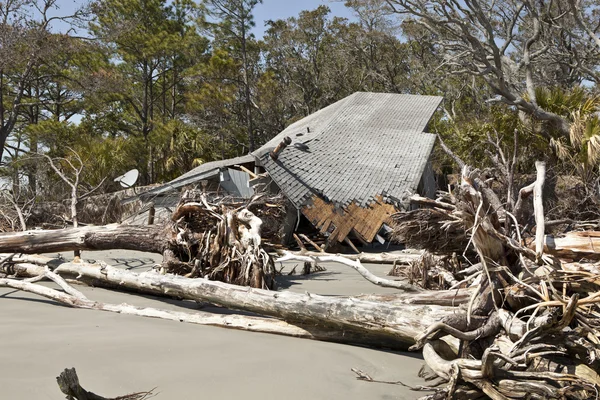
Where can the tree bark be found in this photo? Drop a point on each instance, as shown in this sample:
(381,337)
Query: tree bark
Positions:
(152,239)
(388,324)
(73,298)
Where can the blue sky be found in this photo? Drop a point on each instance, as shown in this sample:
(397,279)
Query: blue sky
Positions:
(281,9)
(269,9)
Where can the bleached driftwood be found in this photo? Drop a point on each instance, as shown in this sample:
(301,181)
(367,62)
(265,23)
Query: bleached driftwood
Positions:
(375,258)
(356,265)
(73,298)
(389,324)
(538,207)
(152,239)
(574,245)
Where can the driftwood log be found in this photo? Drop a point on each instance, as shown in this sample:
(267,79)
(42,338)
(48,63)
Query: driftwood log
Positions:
(392,324)
(74,298)
(202,240)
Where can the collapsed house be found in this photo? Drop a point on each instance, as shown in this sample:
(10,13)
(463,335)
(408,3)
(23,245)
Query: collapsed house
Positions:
(346,168)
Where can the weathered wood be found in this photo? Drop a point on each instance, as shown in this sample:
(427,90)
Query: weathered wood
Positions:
(356,265)
(574,245)
(151,214)
(375,258)
(352,246)
(538,207)
(299,242)
(388,325)
(425,201)
(74,298)
(152,239)
(365,222)
(68,382)
(308,240)
(450,298)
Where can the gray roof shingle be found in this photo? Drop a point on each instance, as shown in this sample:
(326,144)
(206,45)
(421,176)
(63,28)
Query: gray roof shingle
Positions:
(203,171)
(365,145)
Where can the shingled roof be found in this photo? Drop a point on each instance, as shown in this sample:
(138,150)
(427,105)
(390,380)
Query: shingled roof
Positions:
(203,171)
(364,147)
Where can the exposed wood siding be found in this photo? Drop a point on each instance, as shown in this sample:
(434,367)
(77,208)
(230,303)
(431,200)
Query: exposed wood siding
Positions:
(364,221)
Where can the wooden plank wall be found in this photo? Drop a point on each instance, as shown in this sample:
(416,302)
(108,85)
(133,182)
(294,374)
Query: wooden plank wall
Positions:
(365,222)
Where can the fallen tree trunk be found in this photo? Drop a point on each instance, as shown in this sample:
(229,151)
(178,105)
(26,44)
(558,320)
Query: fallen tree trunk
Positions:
(375,258)
(390,324)
(152,239)
(449,298)
(73,298)
(217,241)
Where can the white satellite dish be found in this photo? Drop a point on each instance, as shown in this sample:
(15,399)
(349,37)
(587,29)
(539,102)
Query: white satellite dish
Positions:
(129,178)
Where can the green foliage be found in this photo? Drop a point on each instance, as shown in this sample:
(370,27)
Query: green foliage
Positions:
(168,85)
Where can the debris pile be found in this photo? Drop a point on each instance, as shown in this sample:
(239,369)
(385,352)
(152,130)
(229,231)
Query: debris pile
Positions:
(222,239)
(531,327)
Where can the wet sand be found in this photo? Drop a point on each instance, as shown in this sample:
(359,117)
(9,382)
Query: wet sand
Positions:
(117,354)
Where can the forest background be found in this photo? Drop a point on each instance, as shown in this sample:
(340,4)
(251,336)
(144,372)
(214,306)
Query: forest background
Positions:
(89,92)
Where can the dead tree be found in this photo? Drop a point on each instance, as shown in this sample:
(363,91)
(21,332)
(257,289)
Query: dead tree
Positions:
(73,181)
(392,323)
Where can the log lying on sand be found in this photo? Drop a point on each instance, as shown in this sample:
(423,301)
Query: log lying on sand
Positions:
(73,298)
(400,257)
(388,324)
(202,240)
(151,239)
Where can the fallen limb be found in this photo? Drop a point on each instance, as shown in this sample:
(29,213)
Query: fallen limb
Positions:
(375,258)
(68,382)
(356,265)
(388,325)
(574,245)
(73,298)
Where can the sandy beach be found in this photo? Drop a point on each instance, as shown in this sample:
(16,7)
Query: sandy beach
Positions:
(118,354)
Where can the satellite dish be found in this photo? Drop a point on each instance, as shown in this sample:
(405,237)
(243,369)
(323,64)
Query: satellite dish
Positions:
(129,178)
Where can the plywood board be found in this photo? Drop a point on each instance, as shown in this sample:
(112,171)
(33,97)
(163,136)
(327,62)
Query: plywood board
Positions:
(365,221)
